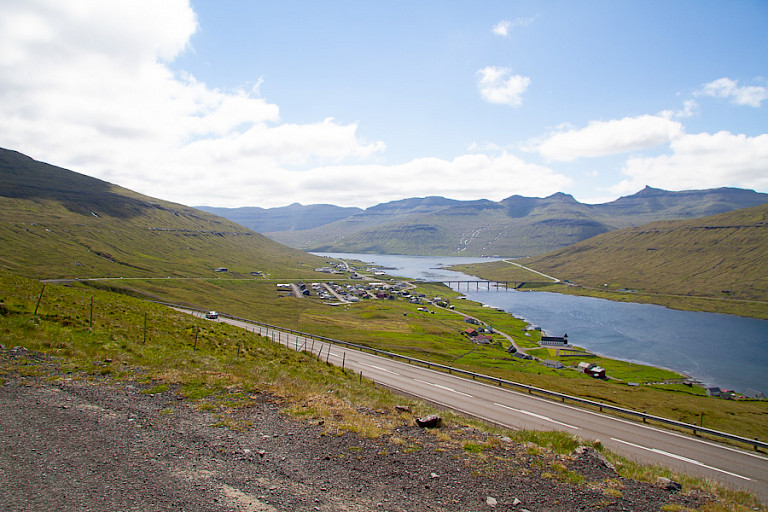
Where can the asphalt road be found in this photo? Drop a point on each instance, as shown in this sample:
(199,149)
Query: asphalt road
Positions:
(733,467)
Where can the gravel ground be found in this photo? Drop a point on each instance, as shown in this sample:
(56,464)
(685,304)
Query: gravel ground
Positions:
(74,444)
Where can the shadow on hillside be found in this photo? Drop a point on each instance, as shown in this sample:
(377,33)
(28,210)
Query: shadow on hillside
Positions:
(21,177)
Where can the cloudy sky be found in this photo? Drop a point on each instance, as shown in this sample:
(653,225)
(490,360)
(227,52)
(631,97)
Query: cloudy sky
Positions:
(264,103)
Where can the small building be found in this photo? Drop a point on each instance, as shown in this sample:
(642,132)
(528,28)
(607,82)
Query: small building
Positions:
(714,391)
(482,340)
(597,372)
(470,332)
(554,340)
(471,320)
(585,367)
(521,355)
(221,269)
(557,365)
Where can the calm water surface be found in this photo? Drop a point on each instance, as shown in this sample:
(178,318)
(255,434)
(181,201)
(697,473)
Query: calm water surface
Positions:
(719,350)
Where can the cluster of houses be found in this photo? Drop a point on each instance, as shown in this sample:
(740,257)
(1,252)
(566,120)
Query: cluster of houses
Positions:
(480,334)
(731,395)
(354,292)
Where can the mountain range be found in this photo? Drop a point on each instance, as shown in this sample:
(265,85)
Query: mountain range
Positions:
(517,226)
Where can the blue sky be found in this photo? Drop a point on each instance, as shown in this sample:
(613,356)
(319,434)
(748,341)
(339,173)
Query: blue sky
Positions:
(235,103)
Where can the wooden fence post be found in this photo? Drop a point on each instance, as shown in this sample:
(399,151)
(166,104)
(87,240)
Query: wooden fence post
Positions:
(39,298)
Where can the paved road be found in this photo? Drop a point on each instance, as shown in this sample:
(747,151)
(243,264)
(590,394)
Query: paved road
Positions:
(647,444)
(531,270)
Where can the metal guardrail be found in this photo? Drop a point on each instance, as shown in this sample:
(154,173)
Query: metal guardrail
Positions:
(501,382)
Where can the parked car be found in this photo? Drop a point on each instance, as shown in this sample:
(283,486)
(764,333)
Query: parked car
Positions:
(211,315)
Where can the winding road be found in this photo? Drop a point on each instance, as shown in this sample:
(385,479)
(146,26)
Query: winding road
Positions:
(735,468)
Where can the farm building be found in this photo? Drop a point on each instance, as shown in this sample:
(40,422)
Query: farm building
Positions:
(554,340)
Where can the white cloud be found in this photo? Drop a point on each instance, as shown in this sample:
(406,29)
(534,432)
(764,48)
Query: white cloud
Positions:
(601,138)
(498,85)
(702,161)
(690,109)
(751,96)
(86,85)
(503,27)
(465,177)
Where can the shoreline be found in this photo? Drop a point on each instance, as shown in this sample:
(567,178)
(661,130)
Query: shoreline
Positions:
(404,271)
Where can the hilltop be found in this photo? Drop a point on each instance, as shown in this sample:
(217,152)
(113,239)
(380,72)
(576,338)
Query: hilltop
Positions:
(514,227)
(57,223)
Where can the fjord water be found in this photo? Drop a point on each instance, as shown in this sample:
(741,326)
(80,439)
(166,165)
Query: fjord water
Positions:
(718,350)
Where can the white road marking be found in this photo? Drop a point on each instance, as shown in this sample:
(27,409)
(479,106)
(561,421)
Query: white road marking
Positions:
(444,387)
(380,368)
(633,423)
(680,457)
(529,413)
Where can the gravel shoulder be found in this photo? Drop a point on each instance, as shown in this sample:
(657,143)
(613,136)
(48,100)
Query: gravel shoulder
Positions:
(72,443)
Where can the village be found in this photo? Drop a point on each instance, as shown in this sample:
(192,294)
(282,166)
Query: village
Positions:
(335,294)
(479,333)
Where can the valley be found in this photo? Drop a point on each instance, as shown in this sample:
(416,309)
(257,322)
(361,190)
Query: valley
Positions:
(111,251)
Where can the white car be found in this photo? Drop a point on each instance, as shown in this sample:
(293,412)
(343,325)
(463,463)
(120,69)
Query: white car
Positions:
(211,315)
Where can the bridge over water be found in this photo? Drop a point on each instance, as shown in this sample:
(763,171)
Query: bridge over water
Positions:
(480,284)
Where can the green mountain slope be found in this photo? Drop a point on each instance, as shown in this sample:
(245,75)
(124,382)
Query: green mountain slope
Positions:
(517,226)
(285,218)
(722,255)
(58,223)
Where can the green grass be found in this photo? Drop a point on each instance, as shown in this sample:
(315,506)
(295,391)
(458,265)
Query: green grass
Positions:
(437,338)
(56,223)
(214,376)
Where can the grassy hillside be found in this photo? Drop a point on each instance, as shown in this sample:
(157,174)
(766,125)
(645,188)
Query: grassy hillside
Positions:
(57,223)
(219,369)
(723,255)
(721,258)
(515,227)
(379,324)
